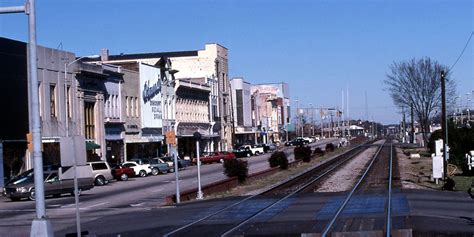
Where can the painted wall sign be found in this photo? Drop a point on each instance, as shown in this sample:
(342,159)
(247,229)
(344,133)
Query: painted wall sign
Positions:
(150,101)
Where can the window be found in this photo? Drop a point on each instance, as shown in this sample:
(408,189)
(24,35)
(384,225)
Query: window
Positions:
(89,120)
(239,107)
(136,107)
(68,102)
(99,166)
(40,99)
(126,106)
(132,106)
(52,100)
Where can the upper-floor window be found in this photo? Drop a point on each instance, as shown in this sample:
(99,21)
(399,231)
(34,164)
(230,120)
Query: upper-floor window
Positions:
(68,102)
(89,120)
(127,111)
(136,107)
(52,100)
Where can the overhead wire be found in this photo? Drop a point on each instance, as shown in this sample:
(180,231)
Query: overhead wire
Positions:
(462,52)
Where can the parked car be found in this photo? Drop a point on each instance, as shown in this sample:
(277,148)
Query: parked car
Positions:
(141,170)
(272,147)
(23,186)
(242,152)
(181,163)
(156,166)
(212,157)
(162,166)
(121,172)
(256,150)
(101,172)
(296,142)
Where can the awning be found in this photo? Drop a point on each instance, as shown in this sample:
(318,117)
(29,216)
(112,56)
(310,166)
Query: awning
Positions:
(92,146)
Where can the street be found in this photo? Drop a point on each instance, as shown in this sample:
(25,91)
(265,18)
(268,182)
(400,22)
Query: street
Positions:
(119,198)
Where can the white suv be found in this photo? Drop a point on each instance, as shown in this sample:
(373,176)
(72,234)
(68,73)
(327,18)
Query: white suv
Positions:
(140,170)
(101,172)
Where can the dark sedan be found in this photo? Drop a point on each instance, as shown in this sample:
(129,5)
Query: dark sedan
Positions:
(242,152)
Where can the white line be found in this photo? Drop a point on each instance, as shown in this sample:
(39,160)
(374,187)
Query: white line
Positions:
(137,205)
(96,205)
(70,205)
(154,191)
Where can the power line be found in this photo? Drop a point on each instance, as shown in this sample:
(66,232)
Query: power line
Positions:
(462,52)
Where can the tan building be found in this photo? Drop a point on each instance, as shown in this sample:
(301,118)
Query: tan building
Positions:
(210,63)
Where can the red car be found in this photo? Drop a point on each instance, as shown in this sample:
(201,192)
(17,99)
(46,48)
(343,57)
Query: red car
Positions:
(211,157)
(122,173)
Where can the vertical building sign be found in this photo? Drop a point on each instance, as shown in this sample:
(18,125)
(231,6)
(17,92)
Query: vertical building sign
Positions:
(150,97)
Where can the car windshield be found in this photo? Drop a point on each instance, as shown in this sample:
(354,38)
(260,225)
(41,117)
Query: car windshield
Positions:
(25,176)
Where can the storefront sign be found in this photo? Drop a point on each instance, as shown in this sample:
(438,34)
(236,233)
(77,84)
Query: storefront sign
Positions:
(150,92)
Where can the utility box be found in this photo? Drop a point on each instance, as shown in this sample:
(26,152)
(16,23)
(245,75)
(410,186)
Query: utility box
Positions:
(437,166)
(439,147)
(470,160)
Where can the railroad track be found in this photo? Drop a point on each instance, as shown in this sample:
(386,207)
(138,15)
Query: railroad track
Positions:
(252,207)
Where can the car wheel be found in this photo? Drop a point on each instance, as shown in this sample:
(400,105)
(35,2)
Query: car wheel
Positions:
(32,194)
(257,153)
(15,199)
(142,173)
(249,155)
(221,160)
(155,171)
(100,181)
(124,177)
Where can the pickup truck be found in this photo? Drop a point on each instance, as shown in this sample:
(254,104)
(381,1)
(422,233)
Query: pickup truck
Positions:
(256,150)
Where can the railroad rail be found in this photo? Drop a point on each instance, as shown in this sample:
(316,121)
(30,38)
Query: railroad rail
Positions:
(350,195)
(271,196)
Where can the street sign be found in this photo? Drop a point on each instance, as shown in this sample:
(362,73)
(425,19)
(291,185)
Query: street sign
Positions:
(171,138)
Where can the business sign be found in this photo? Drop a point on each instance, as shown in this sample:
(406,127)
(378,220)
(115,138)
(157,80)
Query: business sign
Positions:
(150,96)
(277,89)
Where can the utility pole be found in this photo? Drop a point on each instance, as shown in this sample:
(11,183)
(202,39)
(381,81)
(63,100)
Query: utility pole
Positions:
(444,125)
(403,125)
(412,138)
(41,226)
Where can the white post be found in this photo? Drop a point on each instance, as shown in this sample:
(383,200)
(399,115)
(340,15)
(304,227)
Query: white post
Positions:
(2,177)
(200,195)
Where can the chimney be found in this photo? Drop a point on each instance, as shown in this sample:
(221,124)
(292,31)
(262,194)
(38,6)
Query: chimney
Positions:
(104,54)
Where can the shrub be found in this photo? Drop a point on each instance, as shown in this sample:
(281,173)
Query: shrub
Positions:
(303,153)
(329,147)
(318,152)
(236,167)
(278,158)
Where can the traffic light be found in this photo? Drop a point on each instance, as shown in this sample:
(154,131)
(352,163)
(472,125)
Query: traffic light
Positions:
(29,140)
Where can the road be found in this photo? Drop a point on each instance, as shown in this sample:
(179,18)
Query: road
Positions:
(118,198)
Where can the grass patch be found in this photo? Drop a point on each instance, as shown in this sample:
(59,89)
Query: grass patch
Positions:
(463,183)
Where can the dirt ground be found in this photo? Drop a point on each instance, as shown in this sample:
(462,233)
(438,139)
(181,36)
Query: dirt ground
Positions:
(415,173)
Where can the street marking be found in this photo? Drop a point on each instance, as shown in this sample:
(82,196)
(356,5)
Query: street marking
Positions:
(70,205)
(154,191)
(137,205)
(96,205)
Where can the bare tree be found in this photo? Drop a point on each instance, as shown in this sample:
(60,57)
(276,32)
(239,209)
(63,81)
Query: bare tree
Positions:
(417,83)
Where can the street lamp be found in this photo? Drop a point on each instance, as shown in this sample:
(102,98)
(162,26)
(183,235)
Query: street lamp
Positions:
(197,136)
(74,164)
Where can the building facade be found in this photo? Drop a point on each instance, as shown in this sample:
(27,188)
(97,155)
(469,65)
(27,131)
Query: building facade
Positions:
(270,111)
(244,131)
(210,64)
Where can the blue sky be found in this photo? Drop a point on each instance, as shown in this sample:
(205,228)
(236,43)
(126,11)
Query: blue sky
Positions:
(318,47)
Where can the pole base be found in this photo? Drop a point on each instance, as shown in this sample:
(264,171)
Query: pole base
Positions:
(42,228)
(200,195)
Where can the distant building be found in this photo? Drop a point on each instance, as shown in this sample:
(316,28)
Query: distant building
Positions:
(245,132)
(270,111)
